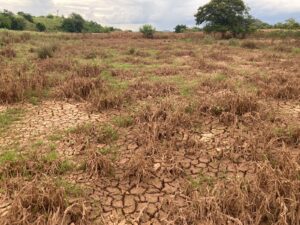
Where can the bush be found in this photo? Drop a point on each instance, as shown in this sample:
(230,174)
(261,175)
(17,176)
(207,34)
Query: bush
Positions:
(26,16)
(17,23)
(148,31)
(249,44)
(46,51)
(74,24)
(5,22)
(40,27)
(180,28)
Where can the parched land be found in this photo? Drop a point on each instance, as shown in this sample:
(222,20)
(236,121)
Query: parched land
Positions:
(179,129)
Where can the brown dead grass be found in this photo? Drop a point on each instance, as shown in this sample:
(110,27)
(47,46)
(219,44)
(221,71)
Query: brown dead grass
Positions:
(8,53)
(15,85)
(42,202)
(97,164)
(270,197)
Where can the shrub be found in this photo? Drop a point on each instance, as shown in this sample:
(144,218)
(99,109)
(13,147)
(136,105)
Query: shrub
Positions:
(148,31)
(208,40)
(180,28)
(26,16)
(233,42)
(249,44)
(46,51)
(40,27)
(17,23)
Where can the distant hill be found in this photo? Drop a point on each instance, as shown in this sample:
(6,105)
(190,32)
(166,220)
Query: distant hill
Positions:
(50,23)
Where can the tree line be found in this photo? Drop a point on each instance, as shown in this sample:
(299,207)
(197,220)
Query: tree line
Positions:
(227,17)
(74,23)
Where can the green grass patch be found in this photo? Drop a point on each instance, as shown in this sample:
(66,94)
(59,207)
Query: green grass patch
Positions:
(9,156)
(296,50)
(123,121)
(51,156)
(55,137)
(8,117)
(65,166)
(107,134)
(71,190)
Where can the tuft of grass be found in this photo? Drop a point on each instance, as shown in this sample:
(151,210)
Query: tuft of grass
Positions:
(71,190)
(123,121)
(296,50)
(47,51)
(203,180)
(51,156)
(9,156)
(249,45)
(107,134)
(290,134)
(208,40)
(65,166)
(55,137)
(219,77)
(37,144)
(233,42)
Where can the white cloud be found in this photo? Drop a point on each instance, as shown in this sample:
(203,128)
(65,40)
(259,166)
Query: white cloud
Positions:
(164,14)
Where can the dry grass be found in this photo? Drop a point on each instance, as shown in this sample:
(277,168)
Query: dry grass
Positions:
(207,129)
(97,164)
(42,202)
(271,196)
(8,53)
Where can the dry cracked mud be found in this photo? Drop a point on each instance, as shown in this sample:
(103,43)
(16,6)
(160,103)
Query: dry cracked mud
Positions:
(125,200)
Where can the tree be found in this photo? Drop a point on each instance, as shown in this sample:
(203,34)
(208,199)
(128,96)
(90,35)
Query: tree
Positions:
(5,21)
(180,28)
(40,27)
(258,24)
(26,16)
(225,16)
(92,27)
(148,31)
(292,24)
(74,23)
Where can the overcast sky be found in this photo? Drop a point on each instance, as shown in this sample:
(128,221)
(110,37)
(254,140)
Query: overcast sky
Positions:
(164,14)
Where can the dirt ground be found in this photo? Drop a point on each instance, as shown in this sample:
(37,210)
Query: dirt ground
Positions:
(179,129)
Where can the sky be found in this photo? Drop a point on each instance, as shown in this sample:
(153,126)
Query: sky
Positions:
(163,14)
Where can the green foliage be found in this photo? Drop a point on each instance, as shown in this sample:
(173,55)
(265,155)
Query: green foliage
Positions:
(290,24)
(5,21)
(74,23)
(26,16)
(11,21)
(225,16)
(92,27)
(148,31)
(50,16)
(40,27)
(180,28)
(258,24)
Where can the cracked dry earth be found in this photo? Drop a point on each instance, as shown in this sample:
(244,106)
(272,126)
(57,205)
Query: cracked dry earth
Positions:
(39,121)
(122,199)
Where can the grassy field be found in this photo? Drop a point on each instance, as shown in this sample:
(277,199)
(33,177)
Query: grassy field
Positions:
(179,129)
